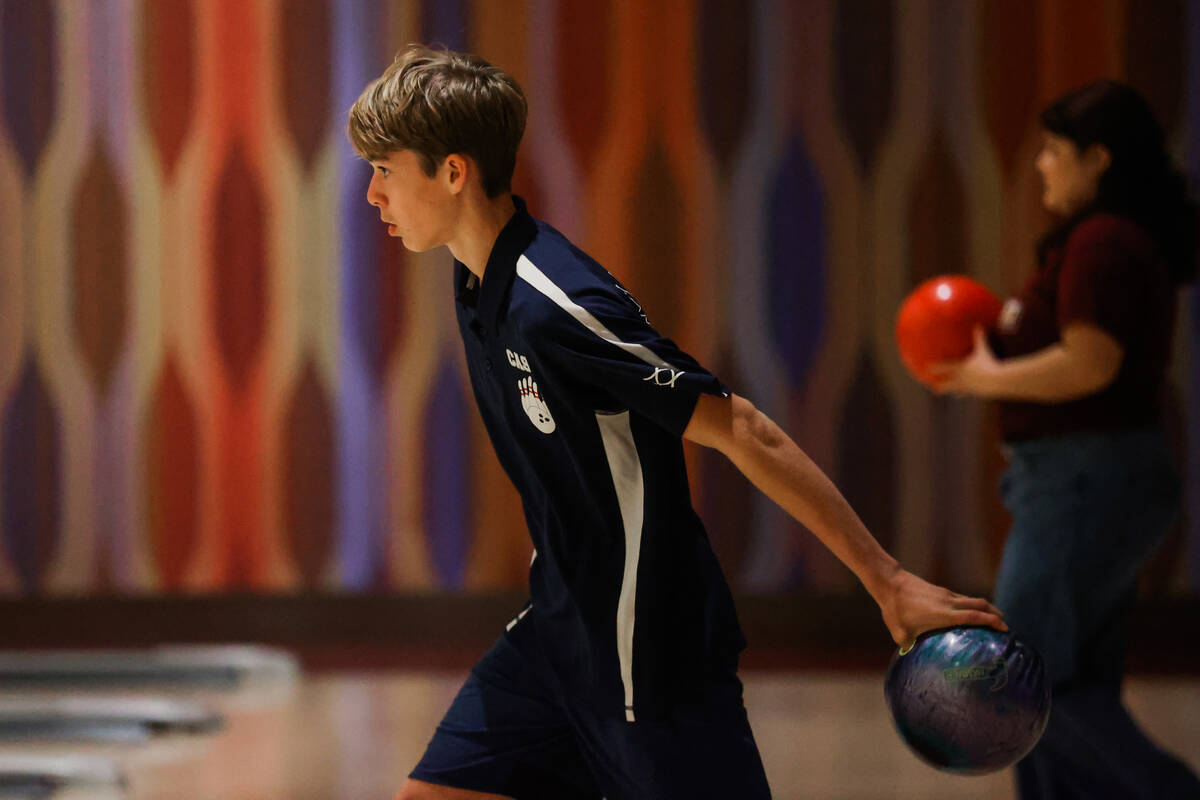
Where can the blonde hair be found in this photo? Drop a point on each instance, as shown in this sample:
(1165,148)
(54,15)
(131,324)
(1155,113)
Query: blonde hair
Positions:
(439,102)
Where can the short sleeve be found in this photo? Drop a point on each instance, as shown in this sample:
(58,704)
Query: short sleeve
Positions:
(1101,282)
(604,341)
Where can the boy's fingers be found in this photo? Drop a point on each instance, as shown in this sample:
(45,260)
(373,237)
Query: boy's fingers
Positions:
(979,604)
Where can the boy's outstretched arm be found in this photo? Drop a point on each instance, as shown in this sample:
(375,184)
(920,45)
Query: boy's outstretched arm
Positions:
(780,469)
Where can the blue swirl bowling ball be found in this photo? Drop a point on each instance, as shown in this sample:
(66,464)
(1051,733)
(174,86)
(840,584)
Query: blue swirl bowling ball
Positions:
(969,700)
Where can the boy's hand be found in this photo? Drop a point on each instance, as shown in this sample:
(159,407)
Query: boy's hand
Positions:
(911,606)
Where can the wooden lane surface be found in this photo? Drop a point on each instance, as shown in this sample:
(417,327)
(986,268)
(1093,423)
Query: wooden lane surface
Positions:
(354,736)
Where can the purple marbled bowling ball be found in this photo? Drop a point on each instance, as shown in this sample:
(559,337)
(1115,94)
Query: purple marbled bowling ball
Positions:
(969,700)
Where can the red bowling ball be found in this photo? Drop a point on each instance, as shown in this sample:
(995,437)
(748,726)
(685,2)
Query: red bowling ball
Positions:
(936,321)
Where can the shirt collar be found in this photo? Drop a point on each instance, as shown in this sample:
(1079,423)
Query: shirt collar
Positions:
(516,236)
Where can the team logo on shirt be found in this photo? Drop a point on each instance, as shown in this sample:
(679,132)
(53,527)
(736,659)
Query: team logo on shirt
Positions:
(531,399)
(664,376)
(629,296)
(517,360)
(535,405)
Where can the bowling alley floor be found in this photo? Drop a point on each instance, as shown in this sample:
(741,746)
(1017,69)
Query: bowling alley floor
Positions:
(353,735)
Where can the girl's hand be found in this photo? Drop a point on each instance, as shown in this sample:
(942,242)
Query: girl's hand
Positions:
(974,375)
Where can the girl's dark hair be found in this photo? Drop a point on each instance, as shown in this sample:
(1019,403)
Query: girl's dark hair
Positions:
(1141,182)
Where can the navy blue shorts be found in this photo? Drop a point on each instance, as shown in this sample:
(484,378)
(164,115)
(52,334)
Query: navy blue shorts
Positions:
(510,732)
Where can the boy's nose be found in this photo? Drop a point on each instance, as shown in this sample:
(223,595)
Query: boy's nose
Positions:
(374,196)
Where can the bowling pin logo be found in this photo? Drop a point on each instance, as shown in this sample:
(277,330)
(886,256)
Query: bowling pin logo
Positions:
(535,405)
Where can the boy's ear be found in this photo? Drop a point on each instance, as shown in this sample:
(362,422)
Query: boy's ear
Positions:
(458,170)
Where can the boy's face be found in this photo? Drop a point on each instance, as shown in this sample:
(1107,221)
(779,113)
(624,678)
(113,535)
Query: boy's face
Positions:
(417,208)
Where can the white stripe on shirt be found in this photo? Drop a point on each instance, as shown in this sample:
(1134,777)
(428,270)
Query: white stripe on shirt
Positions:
(626,471)
(538,280)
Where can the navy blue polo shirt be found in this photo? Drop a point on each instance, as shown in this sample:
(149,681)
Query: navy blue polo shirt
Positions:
(585,405)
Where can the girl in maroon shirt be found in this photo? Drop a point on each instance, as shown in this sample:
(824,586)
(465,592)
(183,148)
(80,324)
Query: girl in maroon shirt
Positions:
(1078,364)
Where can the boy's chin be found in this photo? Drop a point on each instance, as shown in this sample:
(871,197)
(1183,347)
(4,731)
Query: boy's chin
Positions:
(417,247)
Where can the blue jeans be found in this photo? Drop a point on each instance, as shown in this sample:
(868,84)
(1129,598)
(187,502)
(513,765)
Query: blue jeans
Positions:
(1089,511)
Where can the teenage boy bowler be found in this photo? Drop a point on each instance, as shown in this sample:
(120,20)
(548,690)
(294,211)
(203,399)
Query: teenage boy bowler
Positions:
(619,678)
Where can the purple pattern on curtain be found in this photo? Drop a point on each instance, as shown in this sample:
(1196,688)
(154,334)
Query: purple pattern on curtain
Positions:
(31,455)
(29,89)
(360,55)
(444,22)
(447,495)
(796,272)
(105,254)
(111,77)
